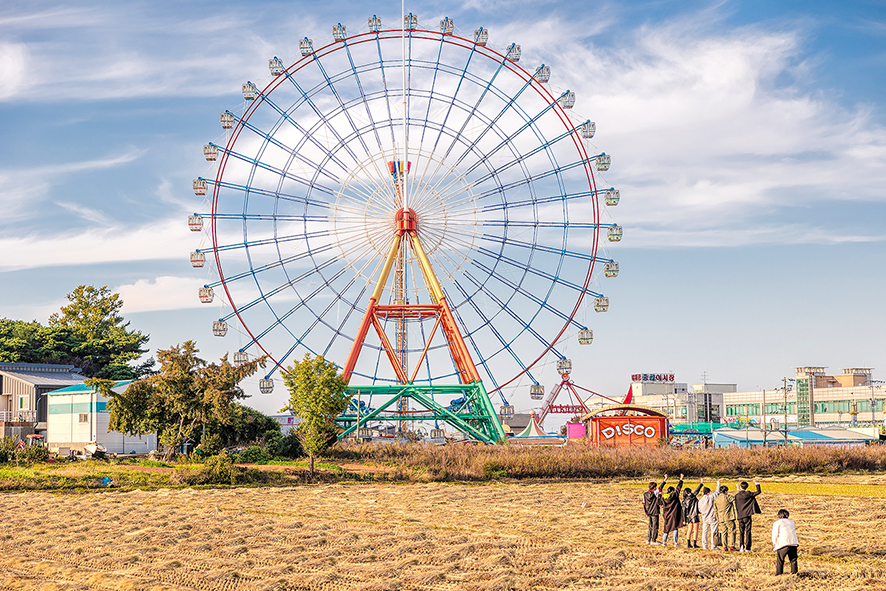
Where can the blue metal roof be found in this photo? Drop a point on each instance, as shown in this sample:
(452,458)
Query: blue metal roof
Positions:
(83,388)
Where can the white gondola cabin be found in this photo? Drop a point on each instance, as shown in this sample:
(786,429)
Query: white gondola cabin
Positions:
(227,120)
(306,46)
(206,294)
(195,223)
(438,433)
(210,152)
(585,336)
(339,32)
(536,391)
(275,66)
(612,197)
(602,162)
(447,26)
(610,269)
(410,21)
(567,101)
(266,385)
(198,259)
(601,304)
(506,412)
(481,36)
(514,52)
(588,129)
(219,328)
(199,186)
(240,357)
(614,233)
(249,91)
(364,433)
(374,24)
(543,73)
(564,366)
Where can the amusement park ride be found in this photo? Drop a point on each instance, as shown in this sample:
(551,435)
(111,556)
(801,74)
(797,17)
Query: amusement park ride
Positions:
(411,183)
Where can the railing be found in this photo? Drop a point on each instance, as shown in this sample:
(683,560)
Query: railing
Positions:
(18,416)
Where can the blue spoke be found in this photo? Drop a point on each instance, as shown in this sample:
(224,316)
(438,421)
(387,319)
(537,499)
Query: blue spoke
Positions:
(539,247)
(538,272)
(252,272)
(514,316)
(522,157)
(505,345)
(283,173)
(266,217)
(511,102)
(537,224)
(507,282)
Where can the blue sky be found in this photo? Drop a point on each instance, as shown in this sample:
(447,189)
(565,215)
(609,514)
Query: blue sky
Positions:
(748,142)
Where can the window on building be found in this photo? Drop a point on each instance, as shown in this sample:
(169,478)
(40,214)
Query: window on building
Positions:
(84,417)
(22,402)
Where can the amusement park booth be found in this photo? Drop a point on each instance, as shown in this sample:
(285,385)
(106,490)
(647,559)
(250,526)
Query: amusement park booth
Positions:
(626,425)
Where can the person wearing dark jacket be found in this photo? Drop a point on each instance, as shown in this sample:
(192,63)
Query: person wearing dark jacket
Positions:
(745,507)
(691,515)
(652,508)
(672,511)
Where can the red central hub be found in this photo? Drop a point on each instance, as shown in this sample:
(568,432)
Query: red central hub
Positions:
(407,220)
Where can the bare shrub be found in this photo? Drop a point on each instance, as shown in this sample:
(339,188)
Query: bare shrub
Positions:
(467,462)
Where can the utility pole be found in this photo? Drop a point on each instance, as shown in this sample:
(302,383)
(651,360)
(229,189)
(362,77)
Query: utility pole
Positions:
(763,424)
(784,386)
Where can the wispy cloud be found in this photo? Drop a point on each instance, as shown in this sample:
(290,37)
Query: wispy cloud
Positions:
(166,239)
(21,189)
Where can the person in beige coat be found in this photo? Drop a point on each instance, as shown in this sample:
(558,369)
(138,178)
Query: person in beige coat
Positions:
(727,519)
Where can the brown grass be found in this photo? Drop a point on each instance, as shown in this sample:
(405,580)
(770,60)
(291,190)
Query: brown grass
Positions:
(466,462)
(437,536)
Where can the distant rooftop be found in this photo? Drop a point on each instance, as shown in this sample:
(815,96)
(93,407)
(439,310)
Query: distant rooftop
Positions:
(38,367)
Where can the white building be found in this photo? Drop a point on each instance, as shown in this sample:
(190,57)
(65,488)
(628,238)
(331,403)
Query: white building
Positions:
(78,415)
(814,399)
(288,422)
(703,403)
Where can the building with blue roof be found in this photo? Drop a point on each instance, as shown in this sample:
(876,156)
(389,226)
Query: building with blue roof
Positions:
(78,416)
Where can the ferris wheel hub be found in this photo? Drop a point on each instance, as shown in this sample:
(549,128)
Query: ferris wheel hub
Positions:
(407,220)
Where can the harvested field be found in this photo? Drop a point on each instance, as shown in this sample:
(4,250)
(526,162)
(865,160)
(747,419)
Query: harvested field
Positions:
(503,535)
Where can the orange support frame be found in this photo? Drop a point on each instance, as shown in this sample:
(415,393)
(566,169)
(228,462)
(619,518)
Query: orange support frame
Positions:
(467,371)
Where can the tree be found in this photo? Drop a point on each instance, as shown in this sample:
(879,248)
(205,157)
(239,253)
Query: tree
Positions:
(89,333)
(246,425)
(186,395)
(105,345)
(317,395)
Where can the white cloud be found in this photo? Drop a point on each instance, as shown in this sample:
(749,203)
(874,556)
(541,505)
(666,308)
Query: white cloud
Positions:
(709,145)
(13,66)
(160,293)
(166,239)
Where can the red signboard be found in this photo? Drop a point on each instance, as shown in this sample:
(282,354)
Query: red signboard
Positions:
(567,408)
(652,377)
(628,431)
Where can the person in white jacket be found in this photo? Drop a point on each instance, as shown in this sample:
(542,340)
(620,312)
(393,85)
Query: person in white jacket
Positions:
(784,542)
(708,517)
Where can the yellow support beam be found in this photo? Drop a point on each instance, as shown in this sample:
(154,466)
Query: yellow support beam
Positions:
(386,270)
(427,270)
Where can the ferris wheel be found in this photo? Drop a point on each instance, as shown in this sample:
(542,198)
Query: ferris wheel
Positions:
(418,206)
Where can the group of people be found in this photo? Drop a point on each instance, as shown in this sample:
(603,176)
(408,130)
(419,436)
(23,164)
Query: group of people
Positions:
(722,520)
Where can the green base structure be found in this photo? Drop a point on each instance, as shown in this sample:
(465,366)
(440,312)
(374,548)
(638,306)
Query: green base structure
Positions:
(475,417)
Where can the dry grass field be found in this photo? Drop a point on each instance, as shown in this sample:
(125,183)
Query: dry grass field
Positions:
(442,536)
